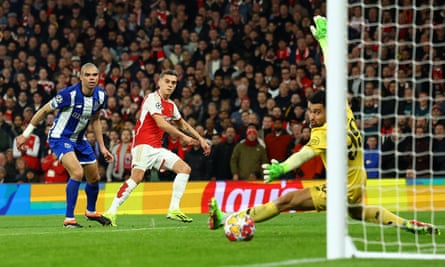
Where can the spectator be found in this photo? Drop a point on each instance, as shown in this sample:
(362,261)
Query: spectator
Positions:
(266,126)
(175,53)
(17,125)
(201,51)
(37,101)
(198,109)
(200,27)
(439,150)
(436,115)
(211,113)
(226,68)
(283,98)
(3,177)
(395,154)
(23,173)
(201,164)
(213,63)
(407,102)
(247,158)
(209,129)
(297,136)
(116,121)
(403,124)
(221,155)
(30,154)
(236,116)
(22,102)
(53,170)
(126,108)
(8,177)
(113,136)
(119,170)
(277,142)
(313,168)
(372,157)
(370,117)
(422,107)
(421,161)
(58,38)
(9,165)
(46,84)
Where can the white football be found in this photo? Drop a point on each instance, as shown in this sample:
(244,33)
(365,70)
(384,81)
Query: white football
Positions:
(239,227)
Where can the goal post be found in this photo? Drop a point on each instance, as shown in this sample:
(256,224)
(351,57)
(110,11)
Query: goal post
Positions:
(406,37)
(336,135)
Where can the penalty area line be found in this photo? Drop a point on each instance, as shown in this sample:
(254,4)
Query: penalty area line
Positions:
(78,231)
(281,263)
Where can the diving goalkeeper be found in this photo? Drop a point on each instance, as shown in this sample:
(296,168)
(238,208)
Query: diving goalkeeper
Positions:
(314,198)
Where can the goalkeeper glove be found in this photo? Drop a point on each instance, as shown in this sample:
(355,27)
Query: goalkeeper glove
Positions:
(273,170)
(319,31)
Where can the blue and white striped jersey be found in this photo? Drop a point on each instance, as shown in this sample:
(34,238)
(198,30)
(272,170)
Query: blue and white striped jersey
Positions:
(75,111)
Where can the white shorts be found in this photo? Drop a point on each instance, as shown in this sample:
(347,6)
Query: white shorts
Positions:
(146,157)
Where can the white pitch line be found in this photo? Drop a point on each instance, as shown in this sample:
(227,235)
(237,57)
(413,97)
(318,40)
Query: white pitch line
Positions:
(281,263)
(72,231)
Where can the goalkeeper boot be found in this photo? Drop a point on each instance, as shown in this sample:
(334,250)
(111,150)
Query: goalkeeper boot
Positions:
(112,218)
(98,218)
(420,228)
(216,216)
(178,215)
(71,224)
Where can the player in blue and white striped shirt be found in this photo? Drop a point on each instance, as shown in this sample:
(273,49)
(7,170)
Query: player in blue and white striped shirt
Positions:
(78,106)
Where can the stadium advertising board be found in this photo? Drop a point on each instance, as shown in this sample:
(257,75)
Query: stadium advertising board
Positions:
(154,197)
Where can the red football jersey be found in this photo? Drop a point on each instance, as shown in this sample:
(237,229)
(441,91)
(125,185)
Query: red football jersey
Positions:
(146,130)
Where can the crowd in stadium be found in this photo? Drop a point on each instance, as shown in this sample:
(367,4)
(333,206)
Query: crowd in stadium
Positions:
(244,66)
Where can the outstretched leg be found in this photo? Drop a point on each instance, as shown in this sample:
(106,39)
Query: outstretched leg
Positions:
(380,215)
(123,193)
(295,200)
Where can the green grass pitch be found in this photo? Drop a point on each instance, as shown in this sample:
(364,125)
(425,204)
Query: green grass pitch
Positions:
(291,239)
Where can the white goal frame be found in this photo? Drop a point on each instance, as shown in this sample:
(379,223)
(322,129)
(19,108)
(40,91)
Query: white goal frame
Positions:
(339,243)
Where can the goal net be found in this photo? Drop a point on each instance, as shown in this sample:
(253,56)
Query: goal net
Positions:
(396,88)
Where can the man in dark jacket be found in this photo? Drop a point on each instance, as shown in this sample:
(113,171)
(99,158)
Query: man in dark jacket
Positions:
(221,155)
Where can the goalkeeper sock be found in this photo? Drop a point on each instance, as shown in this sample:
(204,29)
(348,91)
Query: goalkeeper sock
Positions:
(381,216)
(263,212)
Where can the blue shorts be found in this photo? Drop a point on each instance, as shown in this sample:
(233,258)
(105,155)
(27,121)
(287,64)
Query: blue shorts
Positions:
(83,149)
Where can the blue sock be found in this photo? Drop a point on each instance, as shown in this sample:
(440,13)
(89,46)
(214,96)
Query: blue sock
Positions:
(92,191)
(72,190)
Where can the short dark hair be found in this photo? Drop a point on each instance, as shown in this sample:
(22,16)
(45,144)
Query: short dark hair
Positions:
(169,72)
(318,97)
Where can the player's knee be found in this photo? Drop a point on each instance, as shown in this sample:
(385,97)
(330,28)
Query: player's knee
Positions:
(77,174)
(182,167)
(300,199)
(137,178)
(93,180)
(185,169)
(137,175)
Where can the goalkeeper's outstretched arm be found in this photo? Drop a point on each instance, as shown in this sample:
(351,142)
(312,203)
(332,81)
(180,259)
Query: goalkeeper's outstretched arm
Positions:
(297,159)
(319,31)
(276,169)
